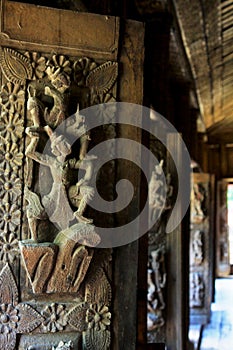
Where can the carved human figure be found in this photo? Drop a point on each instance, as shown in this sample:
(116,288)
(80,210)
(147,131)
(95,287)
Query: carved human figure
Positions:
(197,247)
(60,82)
(79,194)
(157,196)
(197,290)
(197,202)
(156,278)
(82,193)
(75,126)
(57,197)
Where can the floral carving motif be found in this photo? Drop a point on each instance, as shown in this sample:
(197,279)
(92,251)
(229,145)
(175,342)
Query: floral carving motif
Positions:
(14,317)
(38,63)
(98,317)
(92,317)
(12,97)
(10,156)
(60,61)
(82,68)
(9,217)
(8,318)
(9,247)
(10,186)
(11,126)
(55,317)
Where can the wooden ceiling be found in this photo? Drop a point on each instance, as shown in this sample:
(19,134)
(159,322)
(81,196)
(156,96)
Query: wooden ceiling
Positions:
(207,33)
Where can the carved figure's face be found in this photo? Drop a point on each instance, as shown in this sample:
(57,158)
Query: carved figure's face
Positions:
(61,82)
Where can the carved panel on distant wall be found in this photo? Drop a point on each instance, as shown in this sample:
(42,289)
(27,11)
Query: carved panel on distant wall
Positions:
(55,245)
(160,202)
(200,251)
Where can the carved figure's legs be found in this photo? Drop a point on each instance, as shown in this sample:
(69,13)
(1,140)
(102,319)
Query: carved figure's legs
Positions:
(87,193)
(32,223)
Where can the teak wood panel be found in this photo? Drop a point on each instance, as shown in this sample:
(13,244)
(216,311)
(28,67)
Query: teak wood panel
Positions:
(39,309)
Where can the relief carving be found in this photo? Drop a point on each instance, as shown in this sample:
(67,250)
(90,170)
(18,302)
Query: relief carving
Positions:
(15,66)
(156,283)
(196,254)
(197,290)
(58,249)
(64,346)
(14,317)
(198,203)
(93,316)
(160,192)
(55,317)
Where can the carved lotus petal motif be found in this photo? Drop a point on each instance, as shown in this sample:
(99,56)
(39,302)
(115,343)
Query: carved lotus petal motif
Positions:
(97,340)
(8,288)
(15,66)
(7,341)
(102,78)
(98,288)
(29,318)
(76,317)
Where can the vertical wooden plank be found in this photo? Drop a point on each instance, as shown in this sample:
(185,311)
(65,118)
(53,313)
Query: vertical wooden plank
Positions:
(126,257)
(177,271)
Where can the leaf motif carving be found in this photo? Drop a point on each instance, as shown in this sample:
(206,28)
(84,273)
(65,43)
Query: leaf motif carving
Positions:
(76,317)
(7,341)
(98,288)
(102,78)
(8,287)
(29,318)
(97,340)
(15,66)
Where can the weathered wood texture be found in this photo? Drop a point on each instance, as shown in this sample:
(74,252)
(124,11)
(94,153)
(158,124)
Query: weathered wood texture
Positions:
(177,284)
(58,31)
(57,313)
(222,230)
(126,257)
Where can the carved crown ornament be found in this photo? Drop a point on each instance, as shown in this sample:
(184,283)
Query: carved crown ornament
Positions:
(36,95)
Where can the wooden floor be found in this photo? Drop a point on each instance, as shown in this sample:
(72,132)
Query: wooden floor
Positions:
(218,335)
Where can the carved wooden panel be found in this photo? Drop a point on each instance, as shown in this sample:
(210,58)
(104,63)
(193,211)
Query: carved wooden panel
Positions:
(55,288)
(201,247)
(222,230)
(66,31)
(160,200)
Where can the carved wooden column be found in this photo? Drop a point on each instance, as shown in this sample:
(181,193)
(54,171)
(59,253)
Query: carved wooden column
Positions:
(201,248)
(55,286)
